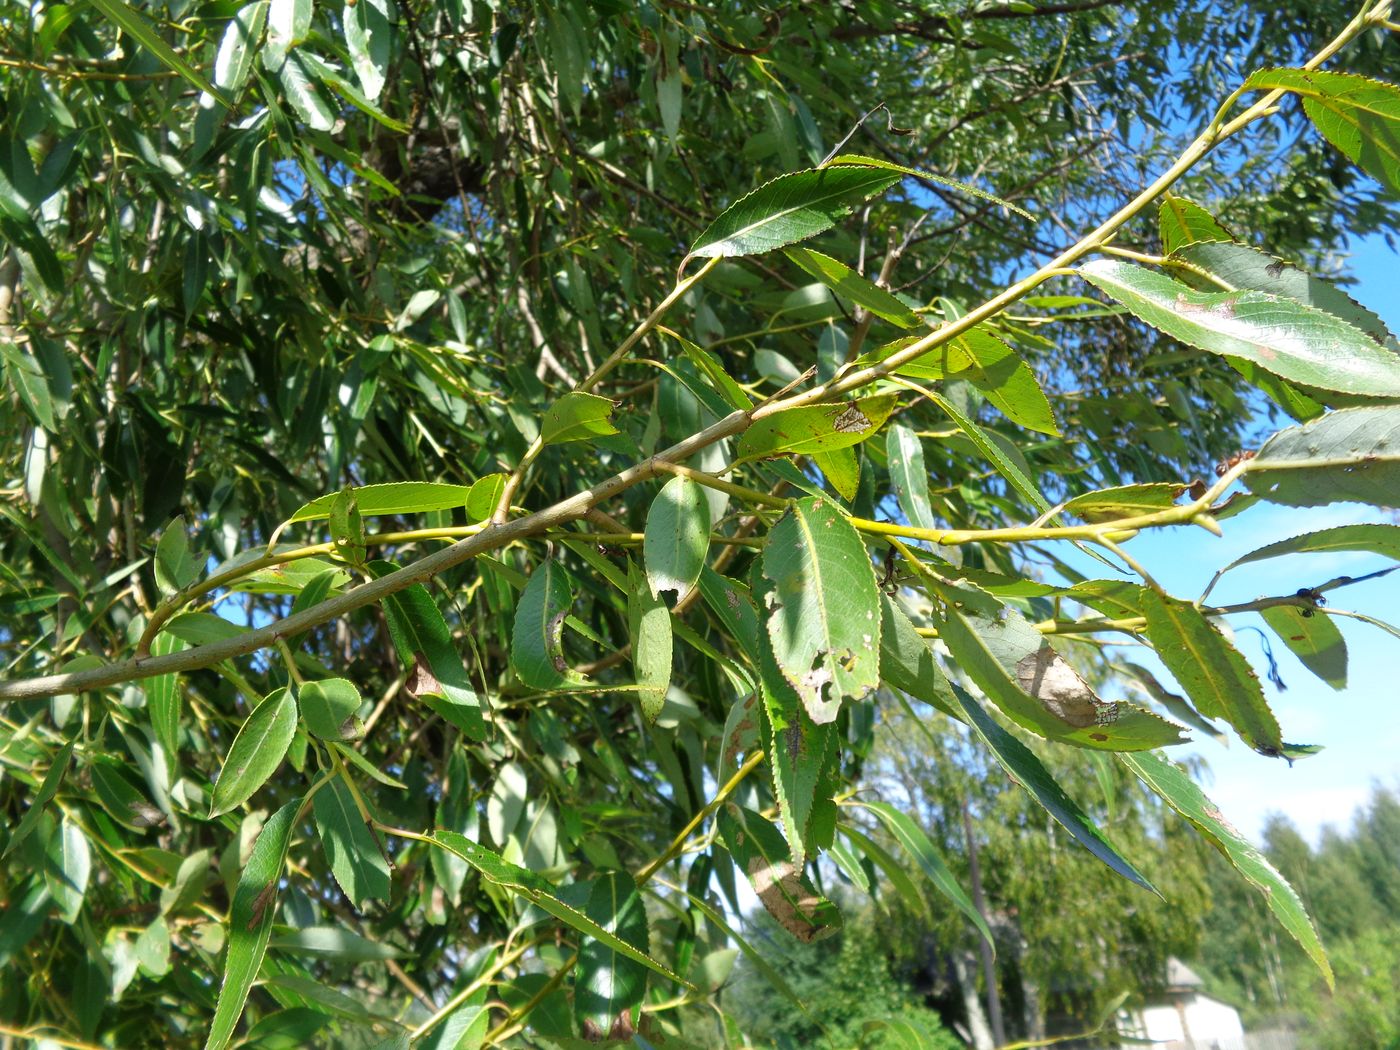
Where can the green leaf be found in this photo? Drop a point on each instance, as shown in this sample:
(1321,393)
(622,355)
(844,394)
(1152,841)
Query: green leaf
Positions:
(304,94)
(1183,222)
(234,60)
(288,24)
(1297,342)
(1216,677)
(1036,688)
(1375,539)
(175,566)
(781,883)
(328,708)
(1360,116)
(841,468)
(1177,790)
(135,25)
(1242,267)
(823,614)
(753,955)
(1124,501)
(916,843)
(845,282)
(610,984)
(996,454)
(710,365)
(538,891)
(69,865)
(1028,771)
(484,495)
(536,640)
(577,416)
(798,748)
(352,852)
(904,453)
(790,208)
(423,640)
(333,942)
(815,428)
(894,871)
(1351,454)
(48,788)
(985,360)
(885,165)
(250,921)
(256,752)
(907,663)
(1314,639)
(1177,706)
(649,628)
(400,497)
(368,38)
(677,537)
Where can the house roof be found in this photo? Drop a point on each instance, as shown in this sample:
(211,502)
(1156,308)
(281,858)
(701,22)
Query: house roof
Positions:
(1180,976)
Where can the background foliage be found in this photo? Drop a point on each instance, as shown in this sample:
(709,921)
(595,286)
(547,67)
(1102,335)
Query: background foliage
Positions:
(263,258)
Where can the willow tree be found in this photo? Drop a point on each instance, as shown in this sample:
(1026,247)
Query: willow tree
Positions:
(476,473)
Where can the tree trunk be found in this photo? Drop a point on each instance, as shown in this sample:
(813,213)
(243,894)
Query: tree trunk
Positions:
(964,972)
(979,901)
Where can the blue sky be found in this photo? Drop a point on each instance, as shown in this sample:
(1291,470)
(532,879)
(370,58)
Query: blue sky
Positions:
(1358,726)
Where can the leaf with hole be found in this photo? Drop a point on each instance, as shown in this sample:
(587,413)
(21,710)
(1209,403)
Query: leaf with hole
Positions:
(823,612)
(677,537)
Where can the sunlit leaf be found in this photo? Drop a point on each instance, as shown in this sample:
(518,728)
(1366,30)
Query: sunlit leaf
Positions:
(352,852)
(577,416)
(758,848)
(791,208)
(1351,454)
(915,842)
(610,983)
(823,613)
(845,282)
(1177,790)
(1299,343)
(677,537)
(250,921)
(815,428)
(1360,116)
(1216,677)
(1313,638)
(1182,222)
